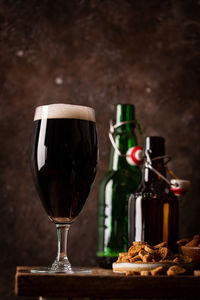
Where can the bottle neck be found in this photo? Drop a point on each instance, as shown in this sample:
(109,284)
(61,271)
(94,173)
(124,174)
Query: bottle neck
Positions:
(150,178)
(124,138)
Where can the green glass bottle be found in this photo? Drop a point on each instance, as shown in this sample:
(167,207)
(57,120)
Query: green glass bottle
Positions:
(118,183)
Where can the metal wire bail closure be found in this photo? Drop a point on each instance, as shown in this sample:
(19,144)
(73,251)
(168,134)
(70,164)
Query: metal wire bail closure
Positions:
(177,186)
(134,155)
(149,165)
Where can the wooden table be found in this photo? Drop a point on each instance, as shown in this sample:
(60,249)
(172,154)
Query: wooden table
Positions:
(105,284)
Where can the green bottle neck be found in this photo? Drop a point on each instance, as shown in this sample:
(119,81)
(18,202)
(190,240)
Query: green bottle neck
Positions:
(125,112)
(124,136)
(123,141)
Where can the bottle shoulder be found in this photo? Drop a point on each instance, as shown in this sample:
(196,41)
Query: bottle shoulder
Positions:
(121,174)
(147,193)
(117,184)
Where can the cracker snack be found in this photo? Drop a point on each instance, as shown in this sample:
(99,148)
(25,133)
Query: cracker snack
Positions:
(143,253)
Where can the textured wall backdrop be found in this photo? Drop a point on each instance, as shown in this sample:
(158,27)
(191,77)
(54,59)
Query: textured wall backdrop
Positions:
(96,53)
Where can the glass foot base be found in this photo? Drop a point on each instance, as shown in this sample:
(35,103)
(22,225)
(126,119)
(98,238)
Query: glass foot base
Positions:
(72,270)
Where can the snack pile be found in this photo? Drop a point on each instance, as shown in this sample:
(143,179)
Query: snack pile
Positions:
(142,252)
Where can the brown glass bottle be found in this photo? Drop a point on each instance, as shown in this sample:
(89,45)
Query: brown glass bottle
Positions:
(153,209)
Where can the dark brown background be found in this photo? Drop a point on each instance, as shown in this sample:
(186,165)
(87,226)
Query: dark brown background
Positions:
(95,53)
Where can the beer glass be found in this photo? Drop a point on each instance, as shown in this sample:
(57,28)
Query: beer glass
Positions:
(64,162)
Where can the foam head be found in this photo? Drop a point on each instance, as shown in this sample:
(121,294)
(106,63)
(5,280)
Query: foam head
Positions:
(64,111)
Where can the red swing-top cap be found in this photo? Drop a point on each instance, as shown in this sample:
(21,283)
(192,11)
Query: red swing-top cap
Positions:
(135,156)
(179,186)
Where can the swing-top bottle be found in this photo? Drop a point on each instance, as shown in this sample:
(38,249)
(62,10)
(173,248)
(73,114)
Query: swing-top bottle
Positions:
(153,209)
(118,183)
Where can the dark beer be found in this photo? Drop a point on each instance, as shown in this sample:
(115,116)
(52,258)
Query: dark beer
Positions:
(64,158)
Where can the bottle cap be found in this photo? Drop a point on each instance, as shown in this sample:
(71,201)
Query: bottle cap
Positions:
(135,156)
(179,186)
(155,145)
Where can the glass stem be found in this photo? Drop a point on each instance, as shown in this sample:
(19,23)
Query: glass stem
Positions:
(62,262)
